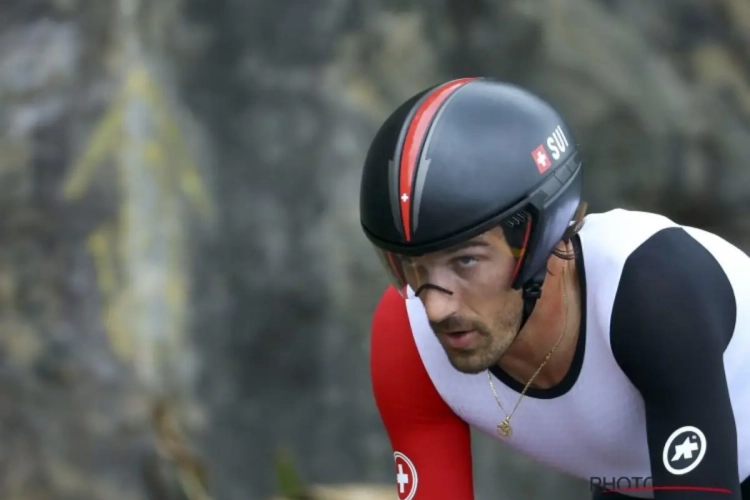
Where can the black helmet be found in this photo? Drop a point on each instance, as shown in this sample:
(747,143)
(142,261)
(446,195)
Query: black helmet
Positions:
(460,158)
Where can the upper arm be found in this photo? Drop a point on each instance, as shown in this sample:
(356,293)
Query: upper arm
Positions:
(673,317)
(420,425)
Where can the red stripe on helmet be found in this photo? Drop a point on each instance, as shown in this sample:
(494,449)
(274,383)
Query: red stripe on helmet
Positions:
(415,136)
(523,247)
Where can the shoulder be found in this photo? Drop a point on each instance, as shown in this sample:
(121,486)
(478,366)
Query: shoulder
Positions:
(607,241)
(674,298)
(609,238)
(644,268)
(390,324)
(672,273)
(393,351)
(400,381)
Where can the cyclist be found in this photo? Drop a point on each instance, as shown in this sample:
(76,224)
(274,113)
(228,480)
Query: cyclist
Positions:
(612,345)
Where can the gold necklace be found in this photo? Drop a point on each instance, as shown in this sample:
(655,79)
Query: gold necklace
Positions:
(503,428)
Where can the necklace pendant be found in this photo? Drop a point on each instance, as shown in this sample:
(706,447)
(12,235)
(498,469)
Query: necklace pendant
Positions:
(503,428)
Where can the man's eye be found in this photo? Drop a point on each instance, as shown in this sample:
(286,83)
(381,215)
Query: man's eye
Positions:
(465,261)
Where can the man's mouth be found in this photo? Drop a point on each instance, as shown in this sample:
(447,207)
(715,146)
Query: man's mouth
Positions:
(460,339)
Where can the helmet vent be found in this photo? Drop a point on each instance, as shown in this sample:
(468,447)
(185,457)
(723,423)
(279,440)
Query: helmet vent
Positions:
(515,220)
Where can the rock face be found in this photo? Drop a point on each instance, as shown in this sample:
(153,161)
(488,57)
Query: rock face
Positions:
(179,181)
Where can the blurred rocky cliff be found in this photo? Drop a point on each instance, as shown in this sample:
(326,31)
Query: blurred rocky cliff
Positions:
(184,288)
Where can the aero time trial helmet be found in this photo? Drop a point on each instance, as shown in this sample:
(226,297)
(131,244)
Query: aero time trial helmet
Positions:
(460,158)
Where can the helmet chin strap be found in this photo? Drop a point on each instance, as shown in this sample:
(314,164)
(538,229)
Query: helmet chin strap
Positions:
(531,292)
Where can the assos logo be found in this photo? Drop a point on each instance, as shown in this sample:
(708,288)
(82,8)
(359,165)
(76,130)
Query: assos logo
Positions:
(683,452)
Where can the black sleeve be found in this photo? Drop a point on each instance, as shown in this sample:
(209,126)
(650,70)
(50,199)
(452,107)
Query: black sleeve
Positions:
(673,316)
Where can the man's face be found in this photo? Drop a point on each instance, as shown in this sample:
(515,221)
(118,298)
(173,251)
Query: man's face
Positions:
(478,321)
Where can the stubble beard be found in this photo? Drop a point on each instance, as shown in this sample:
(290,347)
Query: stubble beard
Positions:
(488,353)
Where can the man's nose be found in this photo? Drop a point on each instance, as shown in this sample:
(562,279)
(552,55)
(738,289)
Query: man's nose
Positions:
(438,304)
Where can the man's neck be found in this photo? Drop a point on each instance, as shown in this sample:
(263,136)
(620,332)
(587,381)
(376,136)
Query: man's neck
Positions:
(543,330)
